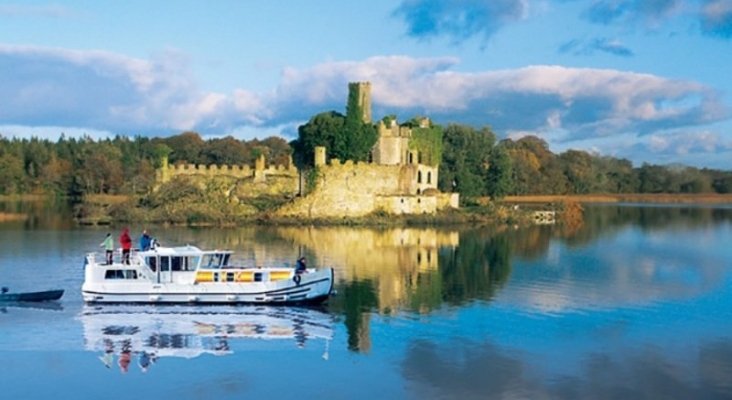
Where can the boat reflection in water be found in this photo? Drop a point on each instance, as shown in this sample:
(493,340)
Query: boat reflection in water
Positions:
(151,332)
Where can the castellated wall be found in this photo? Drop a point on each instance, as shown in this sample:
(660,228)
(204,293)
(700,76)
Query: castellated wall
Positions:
(274,180)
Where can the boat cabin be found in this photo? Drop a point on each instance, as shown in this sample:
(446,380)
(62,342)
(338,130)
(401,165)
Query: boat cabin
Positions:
(186,258)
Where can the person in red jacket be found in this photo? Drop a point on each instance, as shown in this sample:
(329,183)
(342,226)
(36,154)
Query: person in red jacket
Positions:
(126,242)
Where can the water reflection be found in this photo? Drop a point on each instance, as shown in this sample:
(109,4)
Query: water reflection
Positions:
(393,270)
(43,213)
(466,370)
(606,220)
(46,305)
(148,333)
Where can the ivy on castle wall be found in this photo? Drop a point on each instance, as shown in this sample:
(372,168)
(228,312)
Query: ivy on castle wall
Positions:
(428,142)
(354,110)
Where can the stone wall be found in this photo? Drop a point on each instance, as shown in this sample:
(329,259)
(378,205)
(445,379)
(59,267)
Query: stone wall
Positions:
(358,189)
(392,147)
(262,180)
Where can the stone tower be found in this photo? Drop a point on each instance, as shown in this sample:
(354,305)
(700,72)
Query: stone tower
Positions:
(362,93)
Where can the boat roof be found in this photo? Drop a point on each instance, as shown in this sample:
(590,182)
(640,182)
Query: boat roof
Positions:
(186,250)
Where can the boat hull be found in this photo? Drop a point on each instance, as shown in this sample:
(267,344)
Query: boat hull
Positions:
(312,289)
(48,295)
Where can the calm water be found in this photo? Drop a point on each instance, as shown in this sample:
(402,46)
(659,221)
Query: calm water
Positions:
(634,304)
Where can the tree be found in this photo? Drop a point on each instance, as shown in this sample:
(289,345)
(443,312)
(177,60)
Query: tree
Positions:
(57,174)
(500,171)
(226,151)
(466,157)
(535,168)
(186,148)
(279,151)
(101,169)
(322,130)
(578,168)
(12,176)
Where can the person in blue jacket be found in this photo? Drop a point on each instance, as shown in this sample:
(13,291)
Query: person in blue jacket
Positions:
(145,241)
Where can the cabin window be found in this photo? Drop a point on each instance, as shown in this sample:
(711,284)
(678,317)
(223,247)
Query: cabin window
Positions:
(120,274)
(257,277)
(164,264)
(212,260)
(190,263)
(229,277)
(152,263)
(215,261)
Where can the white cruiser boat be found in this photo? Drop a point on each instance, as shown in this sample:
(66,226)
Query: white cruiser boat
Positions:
(190,275)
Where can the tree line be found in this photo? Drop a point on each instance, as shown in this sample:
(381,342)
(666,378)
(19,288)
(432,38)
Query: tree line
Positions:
(473,162)
(74,167)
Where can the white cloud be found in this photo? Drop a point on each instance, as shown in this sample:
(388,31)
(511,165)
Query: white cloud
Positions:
(683,143)
(112,92)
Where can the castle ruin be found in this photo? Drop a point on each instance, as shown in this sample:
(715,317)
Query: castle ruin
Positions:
(394,182)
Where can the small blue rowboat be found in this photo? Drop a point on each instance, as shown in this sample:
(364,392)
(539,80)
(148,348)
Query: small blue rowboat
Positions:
(47,295)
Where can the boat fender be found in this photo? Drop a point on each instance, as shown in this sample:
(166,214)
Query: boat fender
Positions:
(297,279)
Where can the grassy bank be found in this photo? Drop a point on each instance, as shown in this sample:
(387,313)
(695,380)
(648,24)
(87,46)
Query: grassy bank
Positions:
(102,211)
(661,198)
(8,217)
(24,197)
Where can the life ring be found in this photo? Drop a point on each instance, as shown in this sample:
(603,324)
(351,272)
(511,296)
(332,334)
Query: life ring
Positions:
(297,279)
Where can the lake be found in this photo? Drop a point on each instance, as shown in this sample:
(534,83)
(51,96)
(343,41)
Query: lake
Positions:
(636,303)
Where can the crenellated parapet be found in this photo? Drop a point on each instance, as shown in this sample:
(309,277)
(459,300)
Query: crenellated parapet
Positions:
(393,129)
(261,171)
(392,146)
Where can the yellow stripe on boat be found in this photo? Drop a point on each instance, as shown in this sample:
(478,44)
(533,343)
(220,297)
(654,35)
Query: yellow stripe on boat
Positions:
(279,275)
(204,276)
(246,276)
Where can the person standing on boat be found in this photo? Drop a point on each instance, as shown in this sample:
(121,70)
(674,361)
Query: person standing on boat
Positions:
(145,241)
(108,245)
(301,267)
(126,242)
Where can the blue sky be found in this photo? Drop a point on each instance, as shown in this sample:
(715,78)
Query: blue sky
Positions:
(646,80)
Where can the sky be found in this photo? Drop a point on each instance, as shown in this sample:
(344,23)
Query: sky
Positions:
(646,80)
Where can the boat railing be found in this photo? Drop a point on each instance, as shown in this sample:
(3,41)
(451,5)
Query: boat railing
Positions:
(100,257)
